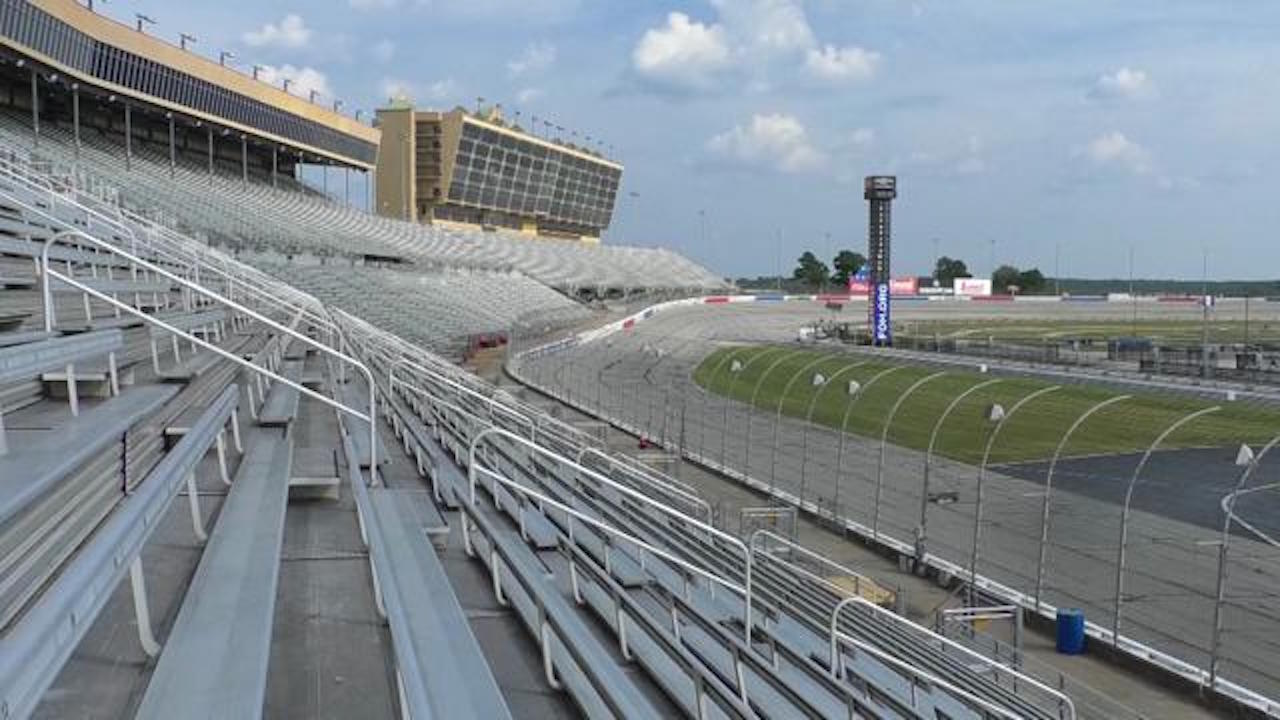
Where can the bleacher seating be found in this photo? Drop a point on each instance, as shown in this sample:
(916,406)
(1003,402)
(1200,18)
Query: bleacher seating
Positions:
(636,605)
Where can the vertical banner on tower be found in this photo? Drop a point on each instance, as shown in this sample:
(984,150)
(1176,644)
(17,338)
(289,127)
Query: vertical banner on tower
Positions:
(882,325)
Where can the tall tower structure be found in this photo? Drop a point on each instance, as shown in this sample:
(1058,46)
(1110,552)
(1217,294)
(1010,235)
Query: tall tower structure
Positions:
(879,190)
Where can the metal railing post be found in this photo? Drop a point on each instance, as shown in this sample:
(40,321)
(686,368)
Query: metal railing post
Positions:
(922,537)
(884,446)
(982,474)
(1048,488)
(1124,512)
(808,421)
(777,420)
(844,428)
(1215,642)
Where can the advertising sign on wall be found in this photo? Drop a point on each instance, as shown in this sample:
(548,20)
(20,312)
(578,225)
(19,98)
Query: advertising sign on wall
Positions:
(972,286)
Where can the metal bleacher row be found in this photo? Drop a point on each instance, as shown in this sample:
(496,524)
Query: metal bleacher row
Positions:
(256,218)
(435,310)
(150,350)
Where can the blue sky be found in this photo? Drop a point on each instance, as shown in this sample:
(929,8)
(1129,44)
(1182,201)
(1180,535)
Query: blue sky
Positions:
(1081,128)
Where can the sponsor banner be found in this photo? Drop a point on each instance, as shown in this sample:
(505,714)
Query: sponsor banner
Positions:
(932,290)
(904,285)
(971,286)
(715,299)
(881,327)
(897,286)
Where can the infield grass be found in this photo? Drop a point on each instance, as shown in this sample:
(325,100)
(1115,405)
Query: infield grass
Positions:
(1031,434)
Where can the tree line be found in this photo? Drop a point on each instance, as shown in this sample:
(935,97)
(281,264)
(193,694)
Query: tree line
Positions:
(814,274)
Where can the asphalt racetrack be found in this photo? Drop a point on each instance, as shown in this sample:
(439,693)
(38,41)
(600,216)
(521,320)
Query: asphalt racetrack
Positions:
(643,376)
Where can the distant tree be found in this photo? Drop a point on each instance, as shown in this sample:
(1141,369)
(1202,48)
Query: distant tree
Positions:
(1003,277)
(810,270)
(846,264)
(949,269)
(1031,281)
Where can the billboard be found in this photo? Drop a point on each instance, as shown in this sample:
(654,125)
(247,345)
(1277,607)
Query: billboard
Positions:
(971,286)
(909,285)
(897,286)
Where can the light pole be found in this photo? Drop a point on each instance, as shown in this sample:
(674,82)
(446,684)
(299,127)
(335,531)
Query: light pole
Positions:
(1048,487)
(224,56)
(141,20)
(184,38)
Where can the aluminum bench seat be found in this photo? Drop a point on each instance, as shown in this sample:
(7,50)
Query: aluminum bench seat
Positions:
(22,337)
(46,635)
(594,669)
(17,283)
(430,630)
(44,456)
(214,662)
(281,405)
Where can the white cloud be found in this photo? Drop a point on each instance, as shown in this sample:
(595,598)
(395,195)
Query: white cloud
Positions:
(684,53)
(1123,84)
(383,50)
(291,32)
(528,95)
(755,39)
(536,58)
(1113,149)
(766,26)
(846,64)
(302,80)
(774,140)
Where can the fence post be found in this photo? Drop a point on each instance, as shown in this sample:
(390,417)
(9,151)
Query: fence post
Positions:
(1124,513)
(808,420)
(844,428)
(884,446)
(922,539)
(1048,487)
(777,420)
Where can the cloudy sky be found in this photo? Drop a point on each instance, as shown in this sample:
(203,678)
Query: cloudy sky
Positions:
(1019,130)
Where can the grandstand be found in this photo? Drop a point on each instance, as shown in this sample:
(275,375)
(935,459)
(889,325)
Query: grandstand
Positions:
(242,397)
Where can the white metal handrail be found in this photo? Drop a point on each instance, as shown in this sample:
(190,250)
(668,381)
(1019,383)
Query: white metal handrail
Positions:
(1063,700)
(660,484)
(372,415)
(634,494)
(919,674)
(858,577)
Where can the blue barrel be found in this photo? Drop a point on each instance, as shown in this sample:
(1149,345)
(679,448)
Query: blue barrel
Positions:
(1071,631)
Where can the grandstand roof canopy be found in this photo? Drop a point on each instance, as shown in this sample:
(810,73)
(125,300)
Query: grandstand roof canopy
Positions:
(97,52)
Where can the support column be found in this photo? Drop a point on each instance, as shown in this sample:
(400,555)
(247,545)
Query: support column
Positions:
(275,163)
(75,116)
(173,151)
(346,187)
(244,159)
(35,106)
(128,137)
(210,137)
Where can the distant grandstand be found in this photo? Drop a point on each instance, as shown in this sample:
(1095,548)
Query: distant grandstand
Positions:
(480,170)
